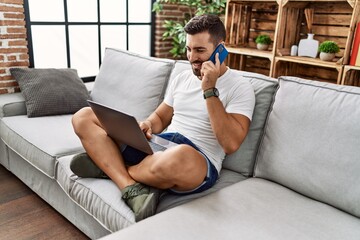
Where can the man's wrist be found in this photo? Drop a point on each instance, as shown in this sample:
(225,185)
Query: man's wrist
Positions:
(148,123)
(211,92)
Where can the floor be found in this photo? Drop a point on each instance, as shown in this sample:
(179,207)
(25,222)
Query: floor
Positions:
(24,215)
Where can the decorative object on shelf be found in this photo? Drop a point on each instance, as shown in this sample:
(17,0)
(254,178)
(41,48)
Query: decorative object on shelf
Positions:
(355,55)
(294,50)
(327,50)
(308,47)
(309,15)
(263,42)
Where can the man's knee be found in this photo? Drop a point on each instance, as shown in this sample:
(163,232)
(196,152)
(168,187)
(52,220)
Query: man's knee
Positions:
(176,162)
(81,119)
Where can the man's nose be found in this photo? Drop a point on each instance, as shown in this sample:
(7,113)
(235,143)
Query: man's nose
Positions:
(191,56)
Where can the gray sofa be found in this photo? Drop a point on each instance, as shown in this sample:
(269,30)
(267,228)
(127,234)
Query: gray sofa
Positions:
(296,176)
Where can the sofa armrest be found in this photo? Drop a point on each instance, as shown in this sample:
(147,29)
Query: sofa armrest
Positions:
(12,104)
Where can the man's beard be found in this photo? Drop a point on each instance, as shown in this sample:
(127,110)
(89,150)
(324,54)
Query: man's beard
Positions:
(196,71)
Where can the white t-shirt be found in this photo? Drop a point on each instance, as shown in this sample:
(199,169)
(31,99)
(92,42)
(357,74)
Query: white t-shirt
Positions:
(191,117)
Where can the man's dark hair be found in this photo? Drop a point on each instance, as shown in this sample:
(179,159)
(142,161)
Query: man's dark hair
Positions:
(207,22)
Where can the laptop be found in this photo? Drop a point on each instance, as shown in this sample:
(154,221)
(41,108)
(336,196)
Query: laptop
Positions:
(124,129)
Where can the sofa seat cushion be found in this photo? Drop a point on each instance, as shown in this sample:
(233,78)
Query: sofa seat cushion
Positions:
(311,142)
(251,209)
(40,140)
(101,198)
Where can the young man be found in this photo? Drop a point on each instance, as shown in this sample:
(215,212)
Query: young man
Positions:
(206,111)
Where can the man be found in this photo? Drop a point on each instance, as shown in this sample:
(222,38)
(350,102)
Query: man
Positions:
(206,111)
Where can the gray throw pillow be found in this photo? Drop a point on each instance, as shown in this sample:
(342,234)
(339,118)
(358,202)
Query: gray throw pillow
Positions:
(51,91)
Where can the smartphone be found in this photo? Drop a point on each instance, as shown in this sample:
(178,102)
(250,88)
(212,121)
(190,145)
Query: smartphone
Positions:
(222,53)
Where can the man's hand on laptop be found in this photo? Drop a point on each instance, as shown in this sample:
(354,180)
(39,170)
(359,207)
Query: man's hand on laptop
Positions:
(145,126)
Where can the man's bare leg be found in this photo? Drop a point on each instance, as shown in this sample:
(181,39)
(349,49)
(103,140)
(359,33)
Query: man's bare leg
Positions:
(181,168)
(100,147)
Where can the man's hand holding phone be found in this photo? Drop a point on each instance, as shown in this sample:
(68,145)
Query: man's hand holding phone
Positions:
(210,70)
(221,50)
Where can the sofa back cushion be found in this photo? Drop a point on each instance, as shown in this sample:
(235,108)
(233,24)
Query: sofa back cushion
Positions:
(180,66)
(311,142)
(131,83)
(243,159)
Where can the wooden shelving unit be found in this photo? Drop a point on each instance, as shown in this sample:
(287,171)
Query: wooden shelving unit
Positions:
(244,21)
(285,22)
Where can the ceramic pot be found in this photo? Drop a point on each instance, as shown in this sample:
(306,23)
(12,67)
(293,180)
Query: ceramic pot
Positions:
(327,56)
(261,46)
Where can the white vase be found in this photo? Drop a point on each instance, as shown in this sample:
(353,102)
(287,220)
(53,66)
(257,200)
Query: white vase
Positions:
(327,56)
(308,47)
(294,50)
(261,46)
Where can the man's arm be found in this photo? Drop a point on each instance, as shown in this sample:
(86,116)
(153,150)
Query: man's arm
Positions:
(158,120)
(230,129)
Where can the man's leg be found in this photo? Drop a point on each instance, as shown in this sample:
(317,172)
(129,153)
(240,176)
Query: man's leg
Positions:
(105,153)
(100,147)
(181,168)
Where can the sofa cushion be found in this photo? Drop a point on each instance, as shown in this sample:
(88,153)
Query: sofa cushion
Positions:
(51,91)
(131,83)
(243,159)
(180,66)
(311,142)
(252,209)
(40,140)
(101,198)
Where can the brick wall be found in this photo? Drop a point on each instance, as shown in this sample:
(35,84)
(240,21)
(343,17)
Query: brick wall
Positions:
(13,44)
(170,12)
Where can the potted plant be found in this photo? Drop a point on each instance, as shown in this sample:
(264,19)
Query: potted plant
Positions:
(263,42)
(327,50)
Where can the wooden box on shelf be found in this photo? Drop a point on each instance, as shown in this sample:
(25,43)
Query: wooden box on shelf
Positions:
(351,76)
(332,20)
(244,21)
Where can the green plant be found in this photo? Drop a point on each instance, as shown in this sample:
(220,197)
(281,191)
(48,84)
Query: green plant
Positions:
(175,30)
(263,39)
(329,47)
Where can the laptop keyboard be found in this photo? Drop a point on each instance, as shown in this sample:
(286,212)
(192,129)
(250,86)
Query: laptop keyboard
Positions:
(156,147)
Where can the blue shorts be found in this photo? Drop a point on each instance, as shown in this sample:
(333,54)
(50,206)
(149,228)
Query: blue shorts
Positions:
(133,156)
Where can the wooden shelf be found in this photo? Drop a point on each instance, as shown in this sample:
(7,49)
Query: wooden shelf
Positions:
(284,21)
(250,52)
(349,67)
(309,61)
(351,75)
